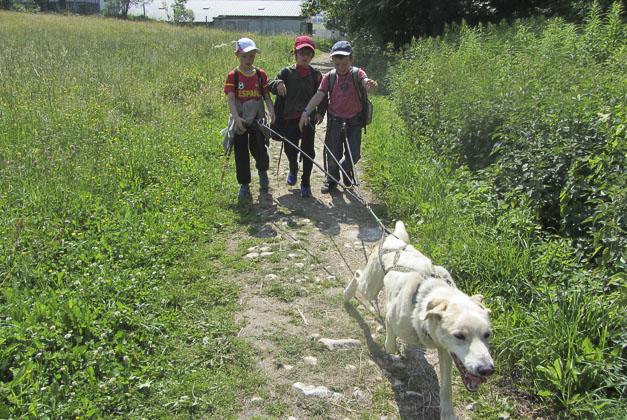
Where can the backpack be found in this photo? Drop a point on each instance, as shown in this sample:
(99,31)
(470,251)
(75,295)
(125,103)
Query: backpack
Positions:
(367,107)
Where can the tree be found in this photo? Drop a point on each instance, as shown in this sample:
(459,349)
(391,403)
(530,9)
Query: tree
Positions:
(121,7)
(180,14)
(398,21)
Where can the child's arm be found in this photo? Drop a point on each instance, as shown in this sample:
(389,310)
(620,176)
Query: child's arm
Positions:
(233,108)
(313,102)
(270,106)
(278,85)
(369,84)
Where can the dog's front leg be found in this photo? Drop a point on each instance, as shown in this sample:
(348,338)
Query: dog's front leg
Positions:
(390,337)
(350,290)
(447,411)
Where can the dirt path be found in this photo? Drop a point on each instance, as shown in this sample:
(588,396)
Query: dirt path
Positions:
(309,249)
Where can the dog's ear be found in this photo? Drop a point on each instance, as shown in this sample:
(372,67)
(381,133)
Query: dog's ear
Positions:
(436,308)
(478,299)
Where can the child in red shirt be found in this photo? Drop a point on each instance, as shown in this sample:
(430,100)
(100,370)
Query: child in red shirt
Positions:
(252,85)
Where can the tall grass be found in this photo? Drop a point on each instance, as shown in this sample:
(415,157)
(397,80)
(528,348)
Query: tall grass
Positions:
(508,156)
(110,160)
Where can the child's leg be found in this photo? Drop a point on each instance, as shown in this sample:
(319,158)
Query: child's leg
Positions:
(292,133)
(258,149)
(353,139)
(333,149)
(242,158)
(308,147)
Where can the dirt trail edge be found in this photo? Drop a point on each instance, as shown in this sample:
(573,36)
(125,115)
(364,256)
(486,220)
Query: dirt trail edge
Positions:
(292,309)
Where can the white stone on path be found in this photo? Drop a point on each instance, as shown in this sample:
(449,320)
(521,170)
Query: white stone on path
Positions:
(266,254)
(251,255)
(358,394)
(310,360)
(344,344)
(315,391)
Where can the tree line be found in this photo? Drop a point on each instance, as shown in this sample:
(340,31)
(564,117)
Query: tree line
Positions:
(398,21)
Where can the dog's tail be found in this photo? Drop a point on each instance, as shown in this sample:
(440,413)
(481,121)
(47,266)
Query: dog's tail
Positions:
(350,290)
(401,232)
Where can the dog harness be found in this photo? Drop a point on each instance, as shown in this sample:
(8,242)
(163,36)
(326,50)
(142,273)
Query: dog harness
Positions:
(395,266)
(404,269)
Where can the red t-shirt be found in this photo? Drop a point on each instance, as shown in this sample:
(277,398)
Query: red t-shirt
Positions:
(248,85)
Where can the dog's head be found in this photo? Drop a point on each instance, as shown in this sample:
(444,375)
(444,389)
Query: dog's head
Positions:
(461,325)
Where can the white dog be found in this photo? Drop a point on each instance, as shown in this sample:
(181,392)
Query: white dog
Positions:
(424,305)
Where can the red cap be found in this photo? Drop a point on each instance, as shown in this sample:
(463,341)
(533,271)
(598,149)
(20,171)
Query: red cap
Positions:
(304,41)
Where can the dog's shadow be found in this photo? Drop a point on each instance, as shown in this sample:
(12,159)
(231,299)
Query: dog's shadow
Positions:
(413,379)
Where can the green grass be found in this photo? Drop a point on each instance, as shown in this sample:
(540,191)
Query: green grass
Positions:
(112,219)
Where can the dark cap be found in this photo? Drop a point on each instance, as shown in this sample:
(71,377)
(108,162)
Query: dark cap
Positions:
(341,48)
(304,41)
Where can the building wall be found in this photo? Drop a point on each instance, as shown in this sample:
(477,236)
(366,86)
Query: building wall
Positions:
(263,25)
(76,6)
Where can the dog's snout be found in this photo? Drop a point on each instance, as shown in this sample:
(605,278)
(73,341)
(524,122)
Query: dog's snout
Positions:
(486,370)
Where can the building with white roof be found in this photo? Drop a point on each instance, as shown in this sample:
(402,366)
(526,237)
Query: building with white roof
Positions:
(261,16)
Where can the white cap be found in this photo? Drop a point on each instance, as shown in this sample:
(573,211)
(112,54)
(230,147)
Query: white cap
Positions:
(245,45)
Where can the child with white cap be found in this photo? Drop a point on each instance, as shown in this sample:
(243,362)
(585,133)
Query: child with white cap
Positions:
(243,84)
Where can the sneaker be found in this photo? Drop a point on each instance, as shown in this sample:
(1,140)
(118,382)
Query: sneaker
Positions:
(291,179)
(244,190)
(327,187)
(264,182)
(305,191)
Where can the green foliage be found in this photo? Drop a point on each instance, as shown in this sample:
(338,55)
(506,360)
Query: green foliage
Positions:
(539,110)
(504,149)
(397,22)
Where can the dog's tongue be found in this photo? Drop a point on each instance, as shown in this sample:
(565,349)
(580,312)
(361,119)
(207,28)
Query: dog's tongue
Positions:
(471,382)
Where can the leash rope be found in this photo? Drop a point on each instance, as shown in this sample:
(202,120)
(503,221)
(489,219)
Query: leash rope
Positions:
(360,198)
(363,201)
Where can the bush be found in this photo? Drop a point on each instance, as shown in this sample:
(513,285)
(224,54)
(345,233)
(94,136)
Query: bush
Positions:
(509,158)
(538,109)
